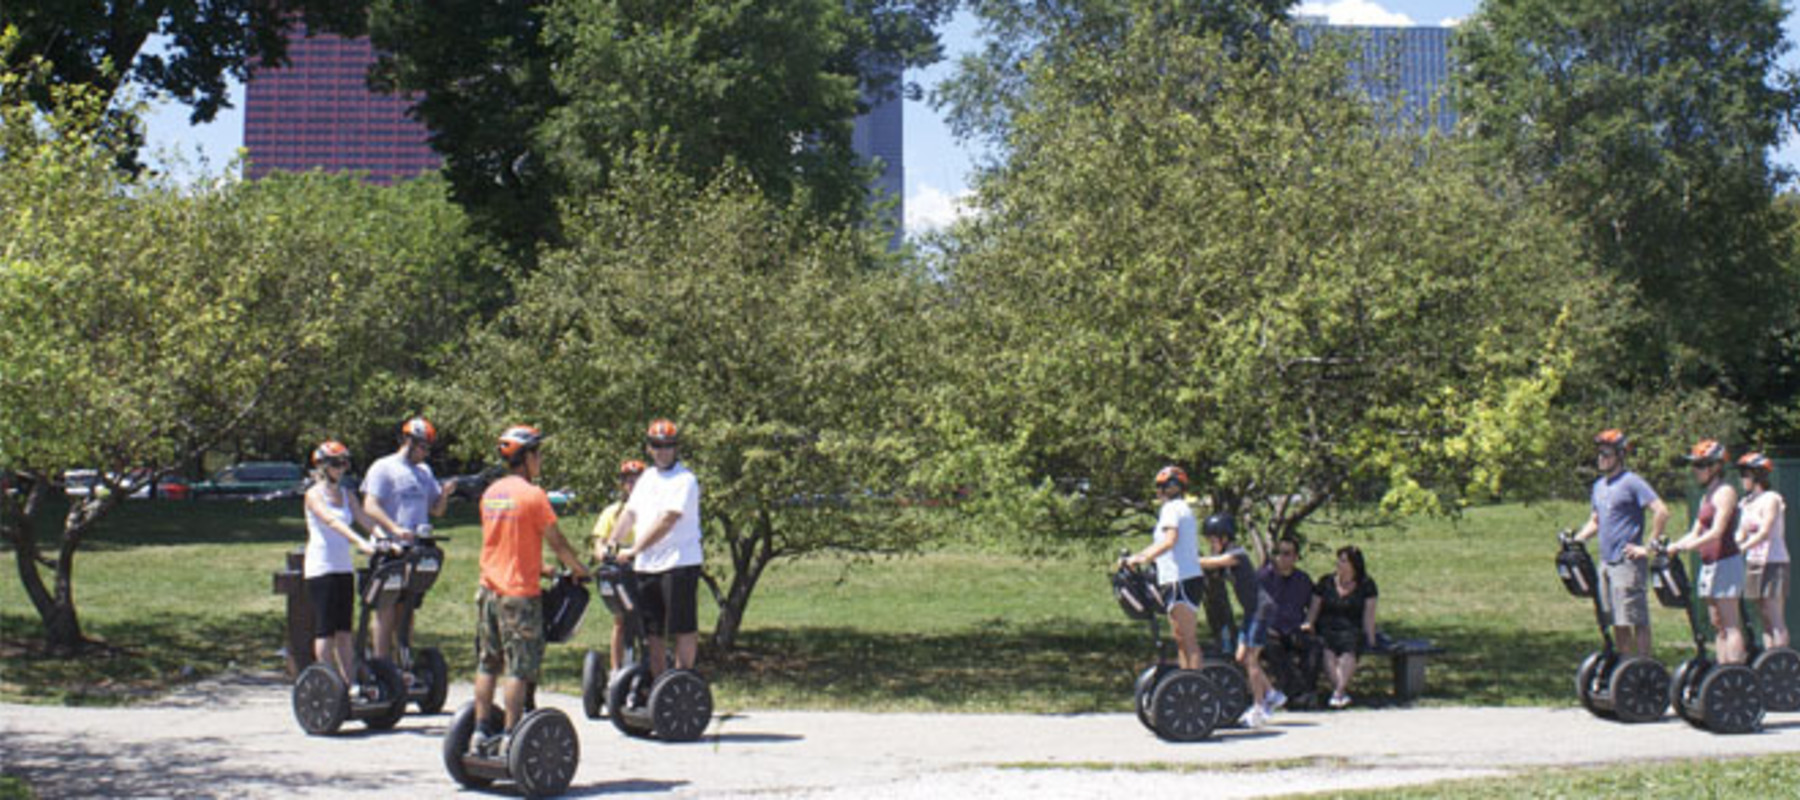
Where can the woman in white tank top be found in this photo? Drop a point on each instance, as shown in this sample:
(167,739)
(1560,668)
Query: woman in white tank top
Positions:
(1762,534)
(330,571)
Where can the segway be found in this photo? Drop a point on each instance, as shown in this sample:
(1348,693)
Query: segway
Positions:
(674,707)
(1610,684)
(1722,698)
(543,753)
(1178,705)
(321,700)
(415,566)
(1778,668)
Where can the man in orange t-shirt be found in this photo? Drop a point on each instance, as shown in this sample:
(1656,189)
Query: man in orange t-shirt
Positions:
(516,520)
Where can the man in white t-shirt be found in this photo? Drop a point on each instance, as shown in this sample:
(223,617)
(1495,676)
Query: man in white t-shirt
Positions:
(401,492)
(667,553)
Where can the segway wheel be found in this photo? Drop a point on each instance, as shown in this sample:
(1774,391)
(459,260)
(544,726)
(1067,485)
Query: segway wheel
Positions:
(1141,690)
(681,706)
(456,745)
(1587,678)
(1233,690)
(1731,699)
(1184,706)
(321,700)
(593,685)
(544,753)
(392,691)
(627,700)
(434,672)
(1779,670)
(1640,690)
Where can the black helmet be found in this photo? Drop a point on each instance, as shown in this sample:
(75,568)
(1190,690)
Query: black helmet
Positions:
(1221,525)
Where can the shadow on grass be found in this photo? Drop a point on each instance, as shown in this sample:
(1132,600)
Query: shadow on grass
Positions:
(135,661)
(1483,667)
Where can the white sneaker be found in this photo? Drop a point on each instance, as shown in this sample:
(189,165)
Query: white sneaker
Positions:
(1274,699)
(1254,718)
(1340,700)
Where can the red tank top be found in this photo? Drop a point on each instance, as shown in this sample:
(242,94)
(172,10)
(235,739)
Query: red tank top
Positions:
(1726,545)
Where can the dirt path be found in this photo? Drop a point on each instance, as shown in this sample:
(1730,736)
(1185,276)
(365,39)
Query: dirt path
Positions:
(236,737)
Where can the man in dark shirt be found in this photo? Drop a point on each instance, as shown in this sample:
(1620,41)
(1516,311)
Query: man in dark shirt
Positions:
(1293,656)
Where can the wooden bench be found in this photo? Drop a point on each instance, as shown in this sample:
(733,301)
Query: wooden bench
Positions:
(1409,658)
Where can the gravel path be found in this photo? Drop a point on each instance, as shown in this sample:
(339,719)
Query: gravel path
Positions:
(236,737)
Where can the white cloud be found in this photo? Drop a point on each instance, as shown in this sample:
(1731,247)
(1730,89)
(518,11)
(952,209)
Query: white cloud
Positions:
(930,208)
(1450,22)
(1354,12)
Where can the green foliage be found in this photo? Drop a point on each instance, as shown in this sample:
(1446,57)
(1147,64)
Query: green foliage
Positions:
(1222,258)
(534,100)
(989,87)
(142,324)
(787,350)
(1650,125)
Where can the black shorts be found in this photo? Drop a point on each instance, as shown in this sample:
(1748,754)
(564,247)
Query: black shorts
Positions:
(1190,593)
(333,599)
(669,601)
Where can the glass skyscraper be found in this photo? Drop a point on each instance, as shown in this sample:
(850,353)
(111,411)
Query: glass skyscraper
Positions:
(1410,64)
(318,112)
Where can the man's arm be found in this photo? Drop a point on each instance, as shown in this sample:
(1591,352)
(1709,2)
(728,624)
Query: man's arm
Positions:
(564,552)
(372,507)
(1592,527)
(664,524)
(442,502)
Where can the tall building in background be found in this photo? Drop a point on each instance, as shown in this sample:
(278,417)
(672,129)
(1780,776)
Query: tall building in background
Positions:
(1411,64)
(880,134)
(318,112)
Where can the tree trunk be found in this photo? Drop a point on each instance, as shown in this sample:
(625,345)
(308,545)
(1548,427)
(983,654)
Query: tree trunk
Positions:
(62,626)
(751,551)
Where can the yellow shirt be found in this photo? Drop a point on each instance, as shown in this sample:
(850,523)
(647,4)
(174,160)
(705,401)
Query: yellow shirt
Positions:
(603,527)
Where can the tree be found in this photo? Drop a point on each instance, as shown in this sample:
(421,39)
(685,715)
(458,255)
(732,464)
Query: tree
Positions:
(142,324)
(1650,123)
(1223,257)
(99,44)
(980,99)
(530,100)
(785,347)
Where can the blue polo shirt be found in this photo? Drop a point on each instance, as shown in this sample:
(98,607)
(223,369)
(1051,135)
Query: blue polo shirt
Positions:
(1620,501)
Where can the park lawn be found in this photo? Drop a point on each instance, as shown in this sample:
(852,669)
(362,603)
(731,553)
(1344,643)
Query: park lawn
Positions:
(1740,777)
(179,591)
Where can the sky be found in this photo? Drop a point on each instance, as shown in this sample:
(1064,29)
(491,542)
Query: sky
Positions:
(937,165)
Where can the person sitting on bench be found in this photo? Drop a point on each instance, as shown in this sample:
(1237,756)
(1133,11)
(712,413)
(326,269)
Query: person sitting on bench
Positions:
(1343,612)
(1294,656)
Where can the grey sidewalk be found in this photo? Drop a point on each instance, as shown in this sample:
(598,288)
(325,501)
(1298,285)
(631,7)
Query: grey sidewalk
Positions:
(237,738)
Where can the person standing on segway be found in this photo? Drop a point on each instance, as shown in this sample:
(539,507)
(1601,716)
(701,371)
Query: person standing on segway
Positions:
(516,521)
(1619,499)
(401,494)
(1175,547)
(1762,535)
(1233,560)
(1714,536)
(606,536)
(664,513)
(331,508)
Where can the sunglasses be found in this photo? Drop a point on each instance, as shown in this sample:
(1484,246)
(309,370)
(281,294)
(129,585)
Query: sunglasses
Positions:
(336,462)
(656,446)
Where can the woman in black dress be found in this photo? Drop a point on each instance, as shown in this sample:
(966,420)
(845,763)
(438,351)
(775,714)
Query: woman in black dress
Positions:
(1343,612)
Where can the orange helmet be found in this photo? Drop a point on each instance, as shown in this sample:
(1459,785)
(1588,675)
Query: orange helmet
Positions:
(1171,474)
(419,429)
(1756,462)
(1706,451)
(630,468)
(663,431)
(1614,438)
(519,440)
(330,450)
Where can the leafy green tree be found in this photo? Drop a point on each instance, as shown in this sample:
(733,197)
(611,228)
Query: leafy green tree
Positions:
(99,44)
(1223,257)
(988,87)
(530,100)
(786,349)
(1650,123)
(143,324)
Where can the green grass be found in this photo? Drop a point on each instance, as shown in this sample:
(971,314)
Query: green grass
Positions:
(12,788)
(1743,777)
(183,590)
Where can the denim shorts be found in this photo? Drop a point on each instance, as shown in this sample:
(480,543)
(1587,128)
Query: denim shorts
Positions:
(1722,579)
(1254,634)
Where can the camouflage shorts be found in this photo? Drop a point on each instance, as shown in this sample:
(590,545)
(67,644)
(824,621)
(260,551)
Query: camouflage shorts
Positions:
(509,632)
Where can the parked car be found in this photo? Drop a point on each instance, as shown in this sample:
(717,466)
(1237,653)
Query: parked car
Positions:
(174,487)
(79,483)
(253,480)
